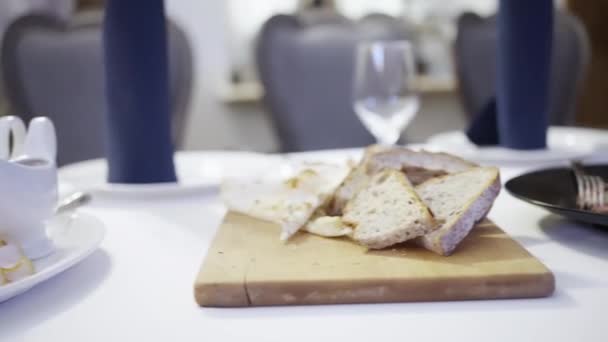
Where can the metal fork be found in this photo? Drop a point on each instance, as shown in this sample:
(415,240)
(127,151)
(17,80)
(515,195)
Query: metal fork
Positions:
(591,190)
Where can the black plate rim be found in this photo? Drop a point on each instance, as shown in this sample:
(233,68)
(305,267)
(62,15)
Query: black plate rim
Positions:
(551,206)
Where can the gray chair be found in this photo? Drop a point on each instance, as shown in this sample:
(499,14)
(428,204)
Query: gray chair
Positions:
(475,60)
(305,64)
(54,67)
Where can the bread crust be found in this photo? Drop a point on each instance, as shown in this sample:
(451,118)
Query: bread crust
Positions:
(418,166)
(445,240)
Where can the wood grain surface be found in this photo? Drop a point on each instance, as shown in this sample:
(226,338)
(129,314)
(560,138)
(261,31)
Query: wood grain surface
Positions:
(247,265)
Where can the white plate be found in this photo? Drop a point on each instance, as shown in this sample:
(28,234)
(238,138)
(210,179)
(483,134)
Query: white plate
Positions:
(74,239)
(196,171)
(564,143)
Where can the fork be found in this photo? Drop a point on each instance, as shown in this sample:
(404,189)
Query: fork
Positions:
(591,190)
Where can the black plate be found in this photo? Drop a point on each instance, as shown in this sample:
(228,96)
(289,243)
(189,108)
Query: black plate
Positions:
(554,189)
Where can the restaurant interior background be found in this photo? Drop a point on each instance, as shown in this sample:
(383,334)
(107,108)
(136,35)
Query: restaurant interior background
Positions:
(225,107)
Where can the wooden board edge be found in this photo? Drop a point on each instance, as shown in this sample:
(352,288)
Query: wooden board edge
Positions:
(379,291)
(242,293)
(277,294)
(221,295)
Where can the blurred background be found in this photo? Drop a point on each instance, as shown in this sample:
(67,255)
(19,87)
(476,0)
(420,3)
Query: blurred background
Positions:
(245,73)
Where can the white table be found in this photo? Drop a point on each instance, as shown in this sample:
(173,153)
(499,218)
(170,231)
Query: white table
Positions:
(138,287)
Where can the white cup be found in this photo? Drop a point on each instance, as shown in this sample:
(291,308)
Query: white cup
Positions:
(28,183)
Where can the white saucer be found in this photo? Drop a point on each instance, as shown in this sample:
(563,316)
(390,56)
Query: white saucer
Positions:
(197,172)
(564,143)
(74,240)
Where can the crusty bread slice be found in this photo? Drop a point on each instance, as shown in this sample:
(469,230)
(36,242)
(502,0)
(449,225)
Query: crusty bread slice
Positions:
(418,166)
(356,179)
(459,200)
(387,211)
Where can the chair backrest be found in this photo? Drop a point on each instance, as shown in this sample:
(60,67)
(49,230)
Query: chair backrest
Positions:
(475,51)
(55,68)
(306,68)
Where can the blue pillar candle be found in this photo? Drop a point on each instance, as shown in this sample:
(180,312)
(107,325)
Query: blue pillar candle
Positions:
(139,147)
(525,33)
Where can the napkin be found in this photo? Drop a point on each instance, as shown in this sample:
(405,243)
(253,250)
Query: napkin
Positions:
(517,117)
(483,129)
(139,148)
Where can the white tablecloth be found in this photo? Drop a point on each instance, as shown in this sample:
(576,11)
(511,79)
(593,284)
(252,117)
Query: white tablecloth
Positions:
(139,287)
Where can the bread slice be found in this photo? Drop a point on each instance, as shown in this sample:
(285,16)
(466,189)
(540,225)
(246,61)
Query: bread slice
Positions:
(355,181)
(387,211)
(459,200)
(418,166)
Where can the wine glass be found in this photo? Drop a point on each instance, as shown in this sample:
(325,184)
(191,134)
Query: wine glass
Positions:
(384,94)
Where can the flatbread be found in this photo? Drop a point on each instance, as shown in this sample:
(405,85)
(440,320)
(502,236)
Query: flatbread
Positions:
(289,202)
(328,226)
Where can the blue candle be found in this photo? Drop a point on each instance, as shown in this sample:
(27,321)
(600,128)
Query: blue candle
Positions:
(525,31)
(139,147)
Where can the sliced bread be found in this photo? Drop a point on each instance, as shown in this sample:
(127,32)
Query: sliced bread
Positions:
(356,179)
(459,200)
(418,166)
(387,211)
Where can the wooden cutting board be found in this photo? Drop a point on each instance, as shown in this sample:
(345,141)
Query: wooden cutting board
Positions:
(247,265)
